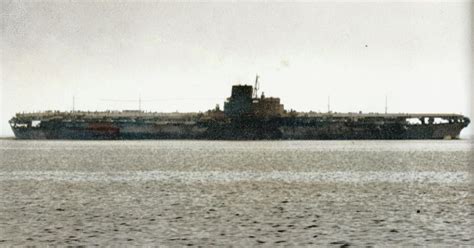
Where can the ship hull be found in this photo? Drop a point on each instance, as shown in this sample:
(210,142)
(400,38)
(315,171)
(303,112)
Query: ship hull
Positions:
(245,117)
(236,131)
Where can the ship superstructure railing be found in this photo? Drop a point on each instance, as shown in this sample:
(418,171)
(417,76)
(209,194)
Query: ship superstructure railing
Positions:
(410,119)
(102,114)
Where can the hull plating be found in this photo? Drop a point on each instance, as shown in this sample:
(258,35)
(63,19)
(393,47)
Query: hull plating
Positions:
(239,132)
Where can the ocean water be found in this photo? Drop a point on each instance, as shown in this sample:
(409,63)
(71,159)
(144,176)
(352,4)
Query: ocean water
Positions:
(217,193)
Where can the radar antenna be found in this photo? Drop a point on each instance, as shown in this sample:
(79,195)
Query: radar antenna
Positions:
(256,88)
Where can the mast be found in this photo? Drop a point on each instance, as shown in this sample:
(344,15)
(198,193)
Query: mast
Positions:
(329,104)
(257,86)
(139,102)
(386,105)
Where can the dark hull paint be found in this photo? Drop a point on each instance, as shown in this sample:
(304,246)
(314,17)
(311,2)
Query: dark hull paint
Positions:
(265,130)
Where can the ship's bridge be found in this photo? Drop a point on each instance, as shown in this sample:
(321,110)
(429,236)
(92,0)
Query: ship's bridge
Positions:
(241,103)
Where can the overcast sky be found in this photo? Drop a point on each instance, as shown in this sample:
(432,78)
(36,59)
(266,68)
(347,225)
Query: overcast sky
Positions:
(186,56)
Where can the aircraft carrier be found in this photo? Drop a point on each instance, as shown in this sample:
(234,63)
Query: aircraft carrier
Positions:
(246,116)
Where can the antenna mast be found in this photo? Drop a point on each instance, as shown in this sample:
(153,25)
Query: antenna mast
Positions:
(257,86)
(329,104)
(73,103)
(386,104)
(140,102)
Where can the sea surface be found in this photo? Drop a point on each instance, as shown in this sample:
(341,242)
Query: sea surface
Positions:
(244,194)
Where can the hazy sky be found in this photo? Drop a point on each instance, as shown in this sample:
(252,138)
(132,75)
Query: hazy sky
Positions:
(186,56)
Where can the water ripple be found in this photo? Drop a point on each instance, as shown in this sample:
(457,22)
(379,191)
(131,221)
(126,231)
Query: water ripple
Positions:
(229,176)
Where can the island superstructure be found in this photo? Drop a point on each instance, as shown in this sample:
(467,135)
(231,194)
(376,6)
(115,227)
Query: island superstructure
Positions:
(246,116)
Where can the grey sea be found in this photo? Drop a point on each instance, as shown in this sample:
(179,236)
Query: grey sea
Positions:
(245,194)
